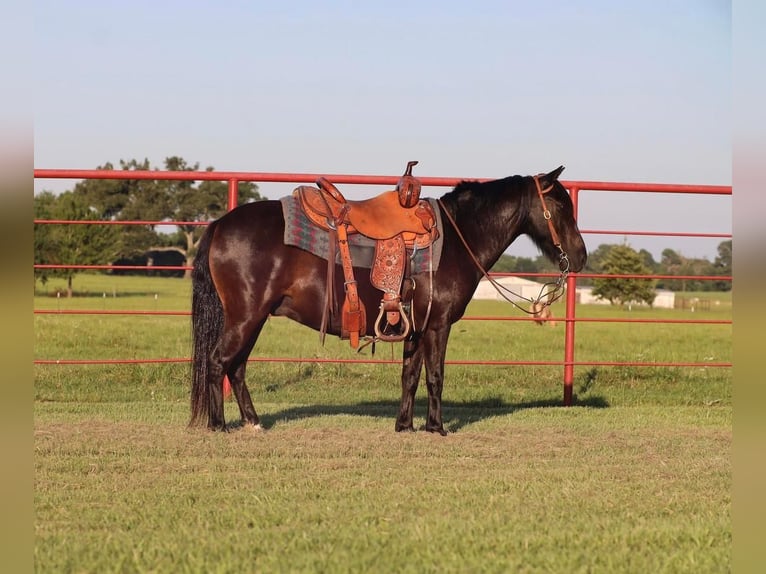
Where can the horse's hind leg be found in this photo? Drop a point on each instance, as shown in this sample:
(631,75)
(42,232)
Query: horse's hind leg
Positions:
(232,354)
(215,392)
(241,393)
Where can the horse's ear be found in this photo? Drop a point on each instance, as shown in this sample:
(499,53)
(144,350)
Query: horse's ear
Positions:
(554,175)
(546,180)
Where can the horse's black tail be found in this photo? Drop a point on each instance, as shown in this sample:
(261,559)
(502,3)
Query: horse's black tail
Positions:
(207,324)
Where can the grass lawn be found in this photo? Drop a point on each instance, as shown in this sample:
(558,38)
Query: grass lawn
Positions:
(636,477)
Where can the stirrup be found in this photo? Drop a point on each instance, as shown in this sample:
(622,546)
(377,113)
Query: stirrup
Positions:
(392,338)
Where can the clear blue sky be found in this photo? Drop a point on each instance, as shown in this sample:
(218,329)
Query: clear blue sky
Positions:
(619,91)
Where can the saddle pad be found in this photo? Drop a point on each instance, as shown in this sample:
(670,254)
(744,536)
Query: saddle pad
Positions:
(301,232)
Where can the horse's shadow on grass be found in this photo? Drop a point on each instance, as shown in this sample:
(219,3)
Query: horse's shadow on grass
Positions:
(456,415)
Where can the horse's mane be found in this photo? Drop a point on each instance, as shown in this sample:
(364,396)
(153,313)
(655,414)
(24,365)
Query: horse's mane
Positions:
(483,199)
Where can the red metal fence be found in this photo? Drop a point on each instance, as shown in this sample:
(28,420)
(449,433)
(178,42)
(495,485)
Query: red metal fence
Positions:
(234,178)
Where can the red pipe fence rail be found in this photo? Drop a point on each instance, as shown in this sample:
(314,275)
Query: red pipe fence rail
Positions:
(233,178)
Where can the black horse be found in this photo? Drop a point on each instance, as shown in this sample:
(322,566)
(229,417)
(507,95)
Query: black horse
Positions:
(244,272)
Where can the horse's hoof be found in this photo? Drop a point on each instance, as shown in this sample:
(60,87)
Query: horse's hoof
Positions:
(254,429)
(439,430)
(404,428)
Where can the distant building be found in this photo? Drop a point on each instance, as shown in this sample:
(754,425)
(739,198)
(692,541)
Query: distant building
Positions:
(663,299)
(520,289)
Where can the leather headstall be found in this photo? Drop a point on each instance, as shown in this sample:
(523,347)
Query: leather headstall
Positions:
(563,257)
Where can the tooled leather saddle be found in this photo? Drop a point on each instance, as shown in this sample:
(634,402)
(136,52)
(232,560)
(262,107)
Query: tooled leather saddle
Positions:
(397,221)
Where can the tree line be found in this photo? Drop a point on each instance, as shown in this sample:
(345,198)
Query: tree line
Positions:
(610,259)
(187,202)
(192,202)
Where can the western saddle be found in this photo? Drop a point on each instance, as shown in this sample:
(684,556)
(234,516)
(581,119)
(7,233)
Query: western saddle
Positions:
(398,221)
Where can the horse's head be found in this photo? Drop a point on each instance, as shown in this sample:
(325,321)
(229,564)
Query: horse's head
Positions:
(551,221)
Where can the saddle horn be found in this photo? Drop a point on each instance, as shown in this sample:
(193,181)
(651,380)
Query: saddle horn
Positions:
(408,187)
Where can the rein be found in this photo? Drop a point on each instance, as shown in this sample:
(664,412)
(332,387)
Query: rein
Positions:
(551,290)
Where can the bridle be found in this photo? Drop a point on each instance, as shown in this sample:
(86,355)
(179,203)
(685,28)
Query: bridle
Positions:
(563,257)
(551,290)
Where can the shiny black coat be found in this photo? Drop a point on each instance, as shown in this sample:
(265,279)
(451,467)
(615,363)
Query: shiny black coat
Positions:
(244,272)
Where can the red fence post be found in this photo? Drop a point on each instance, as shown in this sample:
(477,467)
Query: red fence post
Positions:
(231,203)
(233,193)
(569,334)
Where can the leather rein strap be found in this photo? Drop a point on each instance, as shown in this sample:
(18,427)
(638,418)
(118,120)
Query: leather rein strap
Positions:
(558,286)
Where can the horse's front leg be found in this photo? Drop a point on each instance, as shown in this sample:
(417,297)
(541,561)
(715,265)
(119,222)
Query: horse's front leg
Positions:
(412,362)
(435,343)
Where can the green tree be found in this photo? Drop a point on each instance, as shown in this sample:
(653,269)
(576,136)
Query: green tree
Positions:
(72,244)
(513,264)
(723,260)
(623,260)
(111,197)
(125,200)
(595,263)
(596,257)
(722,265)
(161,200)
(44,235)
(648,260)
(673,263)
(183,201)
(697,267)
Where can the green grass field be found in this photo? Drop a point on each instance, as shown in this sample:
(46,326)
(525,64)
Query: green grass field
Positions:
(635,477)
